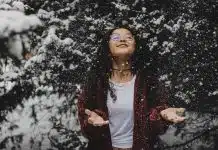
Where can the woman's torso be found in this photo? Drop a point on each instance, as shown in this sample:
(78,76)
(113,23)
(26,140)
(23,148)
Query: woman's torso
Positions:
(121,114)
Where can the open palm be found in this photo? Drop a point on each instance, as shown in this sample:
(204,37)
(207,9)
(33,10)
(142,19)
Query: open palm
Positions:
(95,119)
(172,114)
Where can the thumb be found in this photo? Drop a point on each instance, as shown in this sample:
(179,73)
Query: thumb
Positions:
(88,112)
(106,122)
(180,109)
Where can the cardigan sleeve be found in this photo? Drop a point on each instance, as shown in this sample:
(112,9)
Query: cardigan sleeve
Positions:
(88,130)
(157,124)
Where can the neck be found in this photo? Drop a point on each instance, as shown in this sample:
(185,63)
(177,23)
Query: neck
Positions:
(121,70)
(121,64)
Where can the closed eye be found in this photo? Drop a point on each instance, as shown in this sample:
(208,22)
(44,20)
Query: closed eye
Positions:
(115,38)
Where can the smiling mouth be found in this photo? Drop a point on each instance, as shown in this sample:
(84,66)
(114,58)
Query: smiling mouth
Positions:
(122,45)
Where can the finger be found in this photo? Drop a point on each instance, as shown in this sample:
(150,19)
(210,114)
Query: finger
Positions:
(171,118)
(90,121)
(106,122)
(95,125)
(102,123)
(180,110)
(98,124)
(179,119)
(88,112)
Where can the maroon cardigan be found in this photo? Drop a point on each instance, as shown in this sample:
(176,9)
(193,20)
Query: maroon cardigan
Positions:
(147,120)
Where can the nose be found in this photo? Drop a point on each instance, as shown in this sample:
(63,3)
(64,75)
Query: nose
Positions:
(122,40)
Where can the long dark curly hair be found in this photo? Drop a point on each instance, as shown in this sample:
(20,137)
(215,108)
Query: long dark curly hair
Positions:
(101,68)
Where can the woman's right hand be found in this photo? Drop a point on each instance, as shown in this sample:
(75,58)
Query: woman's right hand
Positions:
(95,119)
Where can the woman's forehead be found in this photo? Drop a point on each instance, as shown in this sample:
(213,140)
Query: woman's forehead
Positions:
(121,31)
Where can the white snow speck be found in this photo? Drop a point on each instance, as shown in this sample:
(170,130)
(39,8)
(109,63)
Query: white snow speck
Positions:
(121,6)
(158,20)
(163,77)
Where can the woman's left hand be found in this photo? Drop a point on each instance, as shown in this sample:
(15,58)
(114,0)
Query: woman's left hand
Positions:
(171,114)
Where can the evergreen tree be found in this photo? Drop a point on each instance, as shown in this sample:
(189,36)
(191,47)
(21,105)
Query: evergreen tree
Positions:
(181,40)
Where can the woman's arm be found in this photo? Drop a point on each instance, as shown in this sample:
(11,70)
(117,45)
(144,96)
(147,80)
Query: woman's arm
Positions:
(88,130)
(161,114)
(157,124)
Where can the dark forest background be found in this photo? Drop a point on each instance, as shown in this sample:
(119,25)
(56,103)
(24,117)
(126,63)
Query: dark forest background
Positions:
(38,95)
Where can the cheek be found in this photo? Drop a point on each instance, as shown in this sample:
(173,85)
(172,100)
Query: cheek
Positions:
(111,47)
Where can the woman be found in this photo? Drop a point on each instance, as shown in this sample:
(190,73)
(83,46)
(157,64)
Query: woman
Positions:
(122,106)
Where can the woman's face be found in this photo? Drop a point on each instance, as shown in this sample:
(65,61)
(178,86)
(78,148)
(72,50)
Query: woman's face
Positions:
(121,43)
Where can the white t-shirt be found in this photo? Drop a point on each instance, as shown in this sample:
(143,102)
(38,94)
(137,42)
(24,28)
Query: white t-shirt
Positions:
(121,114)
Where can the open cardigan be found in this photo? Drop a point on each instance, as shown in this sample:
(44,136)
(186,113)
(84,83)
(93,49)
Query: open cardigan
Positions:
(147,120)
